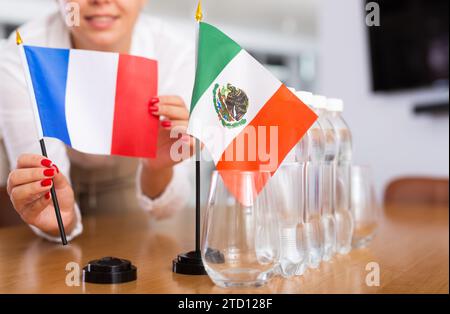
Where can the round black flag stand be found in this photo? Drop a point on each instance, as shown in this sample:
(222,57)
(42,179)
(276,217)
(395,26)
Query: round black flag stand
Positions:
(191,263)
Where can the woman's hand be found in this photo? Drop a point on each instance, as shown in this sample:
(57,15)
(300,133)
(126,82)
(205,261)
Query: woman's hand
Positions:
(158,172)
(175,120)
(29,189)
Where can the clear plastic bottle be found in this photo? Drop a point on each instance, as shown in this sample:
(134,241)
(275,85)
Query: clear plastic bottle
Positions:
(290,158)
(284,185)
(287,183)
(342,177)
(310,153)
(327,219)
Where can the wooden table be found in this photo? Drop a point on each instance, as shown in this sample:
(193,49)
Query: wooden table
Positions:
(412,249)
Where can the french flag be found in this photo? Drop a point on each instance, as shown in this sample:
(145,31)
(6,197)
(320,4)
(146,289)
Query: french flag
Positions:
(95,102)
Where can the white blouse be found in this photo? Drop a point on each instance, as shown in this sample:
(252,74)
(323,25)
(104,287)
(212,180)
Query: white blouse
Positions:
(153,39)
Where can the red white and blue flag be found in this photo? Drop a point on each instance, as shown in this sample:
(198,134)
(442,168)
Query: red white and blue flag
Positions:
(95,102)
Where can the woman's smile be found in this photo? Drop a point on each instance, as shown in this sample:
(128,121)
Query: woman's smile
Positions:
(100,21)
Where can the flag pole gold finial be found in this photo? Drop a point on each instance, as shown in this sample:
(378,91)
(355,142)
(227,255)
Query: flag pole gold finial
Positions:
(18,38)
(199,12)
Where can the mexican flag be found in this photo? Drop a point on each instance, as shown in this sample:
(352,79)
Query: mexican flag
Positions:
(246,118)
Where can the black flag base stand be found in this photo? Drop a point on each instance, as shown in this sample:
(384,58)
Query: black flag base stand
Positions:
(189,264)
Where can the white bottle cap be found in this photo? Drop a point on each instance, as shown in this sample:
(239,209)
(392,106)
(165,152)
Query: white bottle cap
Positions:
(306,97)
(335,105)
(319,102)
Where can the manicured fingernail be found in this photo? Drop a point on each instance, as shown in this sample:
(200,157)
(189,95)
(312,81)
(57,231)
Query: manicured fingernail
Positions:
(49,172)
(56,167)
(153,108)
(166,124)
(46,163)
(46,182)
(154,101)
(47,195)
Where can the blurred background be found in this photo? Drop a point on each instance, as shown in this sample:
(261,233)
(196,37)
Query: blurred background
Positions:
(393,78)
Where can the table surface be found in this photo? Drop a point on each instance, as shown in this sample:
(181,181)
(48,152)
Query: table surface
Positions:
(411,248)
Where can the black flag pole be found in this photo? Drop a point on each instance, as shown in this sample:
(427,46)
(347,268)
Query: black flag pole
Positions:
(197,196)
(191,263)
(62,231)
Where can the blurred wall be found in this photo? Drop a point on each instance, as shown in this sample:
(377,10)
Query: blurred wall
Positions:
(387,135)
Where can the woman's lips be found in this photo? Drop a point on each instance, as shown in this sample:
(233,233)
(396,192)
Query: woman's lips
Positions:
(101,22)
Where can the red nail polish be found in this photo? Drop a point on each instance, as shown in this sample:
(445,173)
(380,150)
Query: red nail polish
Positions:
(46,182)
(154,101)
(49,172)
(153,108)
(46,163)
(47,195)
(56,167)
(166,124)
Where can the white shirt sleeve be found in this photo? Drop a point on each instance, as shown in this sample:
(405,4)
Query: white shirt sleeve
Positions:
(77,230)
(174,197)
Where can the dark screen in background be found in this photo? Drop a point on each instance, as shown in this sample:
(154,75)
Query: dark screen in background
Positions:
(410,47)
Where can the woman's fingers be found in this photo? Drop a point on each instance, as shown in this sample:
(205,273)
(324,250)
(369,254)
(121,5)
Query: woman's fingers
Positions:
(171,107)
(23,176)
(29,188)
(59,180)
(172,100)
(31,212)
(33,161)
(178,125)
(25,194)
(178,130)
(170,111)
(29,185)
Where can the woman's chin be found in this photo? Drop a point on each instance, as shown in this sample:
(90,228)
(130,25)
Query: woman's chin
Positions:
(104,42)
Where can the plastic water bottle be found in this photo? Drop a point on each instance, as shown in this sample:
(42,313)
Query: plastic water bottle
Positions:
(290,158)
(327,218)
(293,251)
(284,185)
(326,169)
(342,177)
(294,244)
(310,154)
